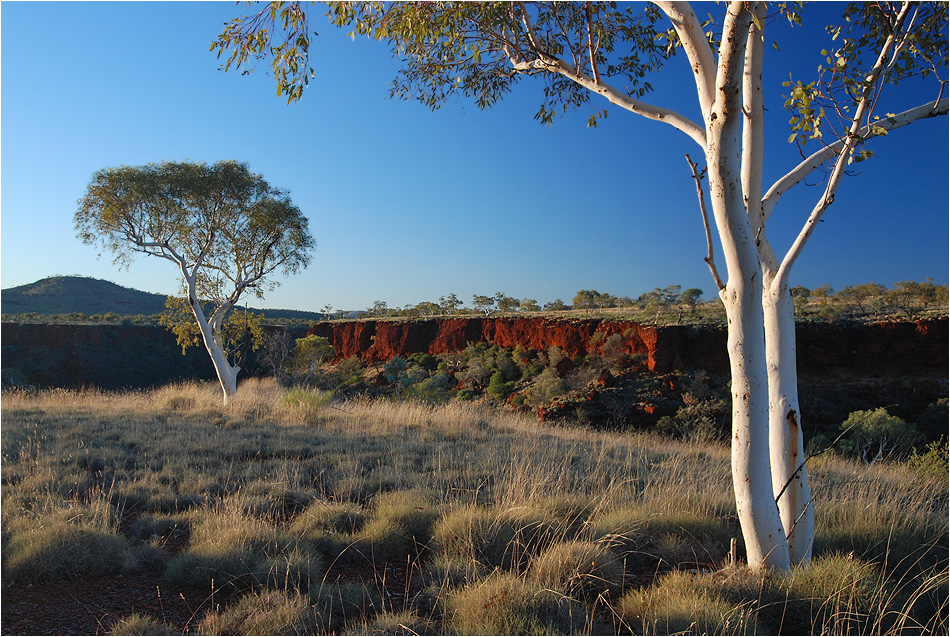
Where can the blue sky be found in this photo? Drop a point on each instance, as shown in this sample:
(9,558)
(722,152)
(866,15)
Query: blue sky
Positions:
(407,204)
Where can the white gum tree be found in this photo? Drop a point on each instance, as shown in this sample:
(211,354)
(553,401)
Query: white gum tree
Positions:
(225,229)
(586,49)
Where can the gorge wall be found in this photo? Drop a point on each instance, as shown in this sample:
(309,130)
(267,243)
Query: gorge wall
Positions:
(106,356)
(891,348)
(120,356)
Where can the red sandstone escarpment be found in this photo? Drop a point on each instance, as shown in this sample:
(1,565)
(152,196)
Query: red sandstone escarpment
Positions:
(890,348)
(381,340)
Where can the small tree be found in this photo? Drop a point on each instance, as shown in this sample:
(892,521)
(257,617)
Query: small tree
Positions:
(800,293)
(276,346)
(226,230)
(860,296)
(484,304)
(529,305)
(506,303)
(911,296)
(449,304)
(823,293)
(396,372)
(586,300)
(875,435)
(690,298)
(427,308)
(308,354)
(379,308)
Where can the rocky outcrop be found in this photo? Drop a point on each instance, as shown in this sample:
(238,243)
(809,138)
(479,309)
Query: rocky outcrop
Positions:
(374,341)
(891,348)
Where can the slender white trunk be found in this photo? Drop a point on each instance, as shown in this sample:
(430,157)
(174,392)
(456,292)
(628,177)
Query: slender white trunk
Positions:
(766,545)
(751,475)
(210,336)
(786,441)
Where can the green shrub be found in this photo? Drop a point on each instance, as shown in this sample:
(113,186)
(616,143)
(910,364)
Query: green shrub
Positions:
(498,388)
(436,389)
(349,373)
(424,360)
(299,405)
(933,462)
(874,435)
(395,372)
(545,388)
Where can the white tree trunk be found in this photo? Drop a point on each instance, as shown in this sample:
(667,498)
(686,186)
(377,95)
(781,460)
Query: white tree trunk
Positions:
(211,336)
(786,441)
(227,374)
(766,545)
(762,528)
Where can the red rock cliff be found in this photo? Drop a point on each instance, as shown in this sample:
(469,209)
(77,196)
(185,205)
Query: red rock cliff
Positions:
(888,348)
(381,340)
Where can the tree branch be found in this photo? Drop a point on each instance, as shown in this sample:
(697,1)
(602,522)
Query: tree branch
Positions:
(818,158)
(590,44)
(702,208)
(698,51)
(553,64)
(753,134)
(850,142)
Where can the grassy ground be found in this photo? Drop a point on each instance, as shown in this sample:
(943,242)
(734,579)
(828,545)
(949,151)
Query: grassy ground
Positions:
(505,525)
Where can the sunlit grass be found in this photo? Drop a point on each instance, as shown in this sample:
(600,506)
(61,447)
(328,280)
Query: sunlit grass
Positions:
(501,521)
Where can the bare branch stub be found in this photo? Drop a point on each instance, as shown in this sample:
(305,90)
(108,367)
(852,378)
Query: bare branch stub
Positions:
(698,176)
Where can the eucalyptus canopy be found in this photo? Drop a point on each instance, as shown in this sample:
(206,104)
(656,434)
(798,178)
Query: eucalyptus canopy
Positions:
(480,51)
(226,230)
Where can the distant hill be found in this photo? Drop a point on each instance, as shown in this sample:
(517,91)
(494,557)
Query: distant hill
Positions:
(68,294)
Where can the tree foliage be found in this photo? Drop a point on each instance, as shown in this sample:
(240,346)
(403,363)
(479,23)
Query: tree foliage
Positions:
(223,222)
(465,49)
(826,105)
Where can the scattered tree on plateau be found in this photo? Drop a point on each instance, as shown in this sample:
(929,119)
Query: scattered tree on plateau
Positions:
(226,230)
(584,49)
